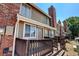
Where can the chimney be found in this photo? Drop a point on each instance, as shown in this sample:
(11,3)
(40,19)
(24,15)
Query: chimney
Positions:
(52,13)
(65,26)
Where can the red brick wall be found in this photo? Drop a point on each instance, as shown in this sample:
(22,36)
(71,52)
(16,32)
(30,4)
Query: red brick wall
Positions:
(7,41)
(1,53)
(8,15)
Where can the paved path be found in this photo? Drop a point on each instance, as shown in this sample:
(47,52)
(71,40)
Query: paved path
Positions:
(70,50)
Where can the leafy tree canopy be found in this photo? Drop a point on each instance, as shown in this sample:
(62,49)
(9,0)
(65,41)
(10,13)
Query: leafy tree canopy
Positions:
(73,24)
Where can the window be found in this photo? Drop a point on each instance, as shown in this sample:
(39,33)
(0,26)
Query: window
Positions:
(27,30)
(51,33)
(30,31)
(25,11)
(5,50)
(46,33)
(39,32)
(47,21)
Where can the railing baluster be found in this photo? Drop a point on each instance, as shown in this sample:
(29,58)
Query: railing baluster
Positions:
(37,48)
(33,47)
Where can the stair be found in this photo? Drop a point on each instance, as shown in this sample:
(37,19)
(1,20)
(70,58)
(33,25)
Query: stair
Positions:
(58,53)
(49,54)
(61,53)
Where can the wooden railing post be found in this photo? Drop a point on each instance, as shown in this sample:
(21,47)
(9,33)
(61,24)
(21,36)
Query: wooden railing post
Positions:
(52,44)
(57,43)
(27,47)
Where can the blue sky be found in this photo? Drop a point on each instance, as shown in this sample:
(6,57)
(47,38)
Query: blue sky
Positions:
(63,10)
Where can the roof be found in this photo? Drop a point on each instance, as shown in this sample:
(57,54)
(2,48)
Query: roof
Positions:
(32,4)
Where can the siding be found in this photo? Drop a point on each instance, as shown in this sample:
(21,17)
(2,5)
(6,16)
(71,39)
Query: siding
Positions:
(36,15)
(21,26)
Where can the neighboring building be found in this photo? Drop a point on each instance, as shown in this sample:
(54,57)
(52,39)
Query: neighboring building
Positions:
(60,29)
(8,18)
(57,32)
(65,26)
(66,29)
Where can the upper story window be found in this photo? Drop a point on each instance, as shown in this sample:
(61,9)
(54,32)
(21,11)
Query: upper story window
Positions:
(47,21)
(25,11)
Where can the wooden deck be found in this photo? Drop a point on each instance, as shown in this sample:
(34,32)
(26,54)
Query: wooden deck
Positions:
(43,47)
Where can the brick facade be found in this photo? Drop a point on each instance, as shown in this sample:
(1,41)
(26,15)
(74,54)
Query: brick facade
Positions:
(8,15)
(52,13)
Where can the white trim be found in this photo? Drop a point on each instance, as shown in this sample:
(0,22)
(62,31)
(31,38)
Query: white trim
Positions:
(23,31)
(30,35)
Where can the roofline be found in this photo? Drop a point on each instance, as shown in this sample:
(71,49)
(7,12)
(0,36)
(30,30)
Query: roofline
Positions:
(39,9)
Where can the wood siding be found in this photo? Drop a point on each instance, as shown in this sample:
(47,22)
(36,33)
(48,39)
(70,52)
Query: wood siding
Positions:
(21,28)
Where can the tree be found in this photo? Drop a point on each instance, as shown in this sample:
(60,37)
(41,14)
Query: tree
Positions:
(73,24)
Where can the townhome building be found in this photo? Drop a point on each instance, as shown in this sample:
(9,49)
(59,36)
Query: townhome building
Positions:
(25,29)
(34,24)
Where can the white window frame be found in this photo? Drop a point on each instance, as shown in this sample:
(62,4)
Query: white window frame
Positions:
(30,34)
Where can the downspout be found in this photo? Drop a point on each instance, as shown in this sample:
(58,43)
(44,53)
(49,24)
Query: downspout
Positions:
(15,32)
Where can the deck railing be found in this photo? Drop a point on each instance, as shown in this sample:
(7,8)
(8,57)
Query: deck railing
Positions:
(39,47)
(43,46)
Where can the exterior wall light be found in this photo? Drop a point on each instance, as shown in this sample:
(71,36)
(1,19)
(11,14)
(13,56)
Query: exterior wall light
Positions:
(1,31)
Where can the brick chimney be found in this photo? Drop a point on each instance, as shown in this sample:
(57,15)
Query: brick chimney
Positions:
(52,13)
(65,26)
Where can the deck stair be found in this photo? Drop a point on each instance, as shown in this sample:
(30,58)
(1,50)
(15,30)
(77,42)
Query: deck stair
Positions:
(58,53)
